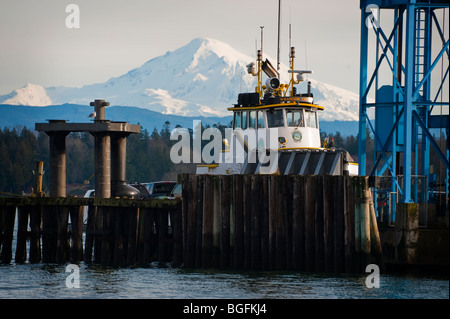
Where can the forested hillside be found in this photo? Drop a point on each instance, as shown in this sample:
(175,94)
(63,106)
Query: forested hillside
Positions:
(148,158)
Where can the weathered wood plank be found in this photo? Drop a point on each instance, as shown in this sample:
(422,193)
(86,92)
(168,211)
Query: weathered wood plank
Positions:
(319,224)
(239,223)
(207,225)
(35,239)
(22,228)
(309,225)
(9,217)
(225,192)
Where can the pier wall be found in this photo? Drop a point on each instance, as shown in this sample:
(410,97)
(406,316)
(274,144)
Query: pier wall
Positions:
(242,222)
(278,222)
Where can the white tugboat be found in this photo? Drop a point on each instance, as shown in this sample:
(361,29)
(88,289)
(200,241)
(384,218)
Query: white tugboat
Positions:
(276,130)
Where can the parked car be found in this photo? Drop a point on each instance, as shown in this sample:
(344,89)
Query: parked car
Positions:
(176,192)
(161,189)
(142,189)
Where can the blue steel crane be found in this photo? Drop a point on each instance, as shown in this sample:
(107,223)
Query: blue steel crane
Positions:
(404,98)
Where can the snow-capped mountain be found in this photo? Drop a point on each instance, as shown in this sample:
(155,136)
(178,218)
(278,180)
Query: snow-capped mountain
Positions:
(202,78)
(30,94)
(339,104)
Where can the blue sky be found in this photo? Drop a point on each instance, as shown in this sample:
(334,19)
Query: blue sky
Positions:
(116,36)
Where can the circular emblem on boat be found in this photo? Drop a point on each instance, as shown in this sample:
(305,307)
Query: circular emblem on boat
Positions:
(297,136)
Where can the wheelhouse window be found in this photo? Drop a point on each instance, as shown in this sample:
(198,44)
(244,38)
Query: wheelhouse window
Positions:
(261,122)
(275,118)
(237,120)
(244,120)
(295,118)
(252,119)
(310,119)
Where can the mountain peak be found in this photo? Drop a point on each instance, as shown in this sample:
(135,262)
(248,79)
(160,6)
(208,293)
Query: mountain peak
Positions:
(203,77)
(30,94)
(203,47)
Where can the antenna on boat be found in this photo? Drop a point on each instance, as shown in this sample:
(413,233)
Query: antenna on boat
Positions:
(262,35)
(290,36)
(259,59)
(279,27)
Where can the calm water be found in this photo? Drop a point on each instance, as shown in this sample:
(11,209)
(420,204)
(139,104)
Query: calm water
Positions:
(48,281)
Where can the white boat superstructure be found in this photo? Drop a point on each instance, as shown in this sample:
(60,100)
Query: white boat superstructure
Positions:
(276,130)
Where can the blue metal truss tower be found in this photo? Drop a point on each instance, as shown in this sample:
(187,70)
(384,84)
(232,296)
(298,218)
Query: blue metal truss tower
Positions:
(404,89)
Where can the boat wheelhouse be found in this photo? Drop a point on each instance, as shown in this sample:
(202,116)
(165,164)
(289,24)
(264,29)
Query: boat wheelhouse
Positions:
(278,129)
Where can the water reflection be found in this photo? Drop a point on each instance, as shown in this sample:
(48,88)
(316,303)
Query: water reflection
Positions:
(97,281)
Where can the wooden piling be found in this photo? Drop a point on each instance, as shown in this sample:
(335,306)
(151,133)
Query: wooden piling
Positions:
(216,222)
(349,238)
(365,226)
(141,237)
(247,191)
(163,256)
(90,229)
(49,234)
(119,234)
(147,236)
(98,234)
(35,238)
(272,221)
(287,216)
(362,222)
(328,219)
(238,222)
(255,215)
(374,234)
(22,227)
(264,211)
(319,224)
(339,223)
(2,229)
(9,217)
(77,218)
(107,245)
(189,190)
(207,225)
(133,222)
(309,225)
(298,225)
(199,221)
(225,182)
(280,251)
(62,244)
(177,237)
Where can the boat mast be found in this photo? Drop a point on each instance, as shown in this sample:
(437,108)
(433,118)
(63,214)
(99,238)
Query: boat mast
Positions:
(259,57)
(279,27)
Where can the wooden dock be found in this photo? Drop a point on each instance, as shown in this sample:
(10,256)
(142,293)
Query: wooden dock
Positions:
(244,222)
(276,222)
(118,231)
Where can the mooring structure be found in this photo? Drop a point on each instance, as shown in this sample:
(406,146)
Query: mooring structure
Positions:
(110,152)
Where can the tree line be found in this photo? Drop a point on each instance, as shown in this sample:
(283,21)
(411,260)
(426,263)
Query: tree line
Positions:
(148,157)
